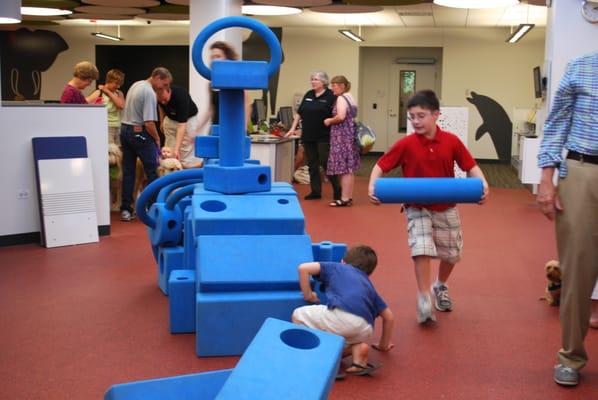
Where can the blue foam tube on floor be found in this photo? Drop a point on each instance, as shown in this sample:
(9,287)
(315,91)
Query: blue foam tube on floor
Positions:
(429,190)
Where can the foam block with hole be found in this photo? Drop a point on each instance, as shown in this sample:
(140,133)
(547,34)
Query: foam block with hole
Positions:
(428,190)
(248,178)
(181,301)
(228,321)
(202,386)
(247,215)
(285,361)
(169,259)
(277,189)
(253,262)
(328,251)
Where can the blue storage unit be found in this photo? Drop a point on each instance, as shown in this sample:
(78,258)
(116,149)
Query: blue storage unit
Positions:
(285,361)
(203,386)
(181,301)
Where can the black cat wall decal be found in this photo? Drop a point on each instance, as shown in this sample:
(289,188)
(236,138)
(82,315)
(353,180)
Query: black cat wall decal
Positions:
(25,54)
(495,122)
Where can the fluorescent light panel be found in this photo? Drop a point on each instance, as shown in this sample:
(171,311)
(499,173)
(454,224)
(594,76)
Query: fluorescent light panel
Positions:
(269,10)
(107,36)
(349,33)
(43,11)
(520,32)
(476,3)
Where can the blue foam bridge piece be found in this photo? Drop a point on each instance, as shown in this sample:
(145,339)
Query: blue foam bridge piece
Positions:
(228,321)
(285,361)
(181,301)
(428,190)
(255,262)
(202,386)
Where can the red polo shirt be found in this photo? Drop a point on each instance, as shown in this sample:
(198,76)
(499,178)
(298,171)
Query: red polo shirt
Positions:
(420,157)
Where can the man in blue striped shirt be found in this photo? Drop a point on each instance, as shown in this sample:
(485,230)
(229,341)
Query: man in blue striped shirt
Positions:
(572,125)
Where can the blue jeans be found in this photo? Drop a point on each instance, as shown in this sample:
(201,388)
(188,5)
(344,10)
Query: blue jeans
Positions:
(136,144)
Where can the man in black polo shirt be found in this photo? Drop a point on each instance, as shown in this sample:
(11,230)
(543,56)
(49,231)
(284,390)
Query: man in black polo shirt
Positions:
(179,124)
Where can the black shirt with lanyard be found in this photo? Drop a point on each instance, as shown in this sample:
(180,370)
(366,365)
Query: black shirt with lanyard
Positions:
(313,111)
(180,107)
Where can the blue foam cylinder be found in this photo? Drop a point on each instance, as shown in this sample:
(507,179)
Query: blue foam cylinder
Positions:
(232,128)
(285,361)
(181,301)
(203,386)
(428,190)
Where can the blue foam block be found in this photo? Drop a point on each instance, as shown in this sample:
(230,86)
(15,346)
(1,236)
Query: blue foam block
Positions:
(277,189)
(189,240)
(169,259)
(207,147)
(236,180)
(428,190)
(240,75)
(328,251)
(181,301)
(256,262)
(285,361)
(247,215)
(203,386)
(227,322)
(169,226)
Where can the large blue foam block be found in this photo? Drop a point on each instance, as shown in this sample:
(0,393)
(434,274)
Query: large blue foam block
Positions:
(248,178)
(203,386)
(428,190)
(169,259)
(253,262)
(181,301)
(247,215)
(285,361)
(328,251)
(227,322)
(240,75)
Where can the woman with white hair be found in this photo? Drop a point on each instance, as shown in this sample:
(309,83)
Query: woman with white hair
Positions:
(315,107)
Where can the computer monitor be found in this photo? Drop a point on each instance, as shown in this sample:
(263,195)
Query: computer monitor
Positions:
(285,116)
(537,83)
(258,111)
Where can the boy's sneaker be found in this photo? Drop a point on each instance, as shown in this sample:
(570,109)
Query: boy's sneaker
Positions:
(442,301)
(126,216)
(565,376)
(424,309)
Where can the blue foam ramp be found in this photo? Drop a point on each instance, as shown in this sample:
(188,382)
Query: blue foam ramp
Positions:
(252,262)
(228,321)
(169,259)
(247,215)
(285,361)
(428,190)
(202,386)
(181,301)
(328,251)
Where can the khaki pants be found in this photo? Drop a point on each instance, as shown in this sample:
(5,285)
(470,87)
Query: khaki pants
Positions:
(577,242)
(187,149)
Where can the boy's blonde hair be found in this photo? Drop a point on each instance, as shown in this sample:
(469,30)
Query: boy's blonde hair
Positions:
(116,76)
(86,71)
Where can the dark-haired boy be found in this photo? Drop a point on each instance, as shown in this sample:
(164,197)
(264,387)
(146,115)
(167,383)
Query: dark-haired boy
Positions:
(353,305)
(434,230)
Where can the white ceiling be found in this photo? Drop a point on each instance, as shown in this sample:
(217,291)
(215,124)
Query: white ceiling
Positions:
(423,15)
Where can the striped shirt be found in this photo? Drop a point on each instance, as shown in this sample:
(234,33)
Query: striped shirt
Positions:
(572,123)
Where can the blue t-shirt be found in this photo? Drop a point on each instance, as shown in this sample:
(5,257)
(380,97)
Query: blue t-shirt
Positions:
(350,289)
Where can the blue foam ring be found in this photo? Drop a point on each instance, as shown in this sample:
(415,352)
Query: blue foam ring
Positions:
(230,22)
(166,190)
(151,189)
(429,190)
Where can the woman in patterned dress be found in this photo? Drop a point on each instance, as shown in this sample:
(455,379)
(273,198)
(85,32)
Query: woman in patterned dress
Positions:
(344,154)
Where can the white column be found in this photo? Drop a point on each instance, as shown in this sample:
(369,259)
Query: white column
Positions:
(203,12)
(568,35)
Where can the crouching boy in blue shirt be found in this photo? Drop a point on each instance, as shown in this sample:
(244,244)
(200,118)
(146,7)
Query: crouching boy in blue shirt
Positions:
(353,305)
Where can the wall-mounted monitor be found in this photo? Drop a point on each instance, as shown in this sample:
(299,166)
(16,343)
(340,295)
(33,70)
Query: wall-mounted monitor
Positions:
(258,111)
(285,116)
(537,83)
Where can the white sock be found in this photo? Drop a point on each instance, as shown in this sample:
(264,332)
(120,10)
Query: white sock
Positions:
(438,283)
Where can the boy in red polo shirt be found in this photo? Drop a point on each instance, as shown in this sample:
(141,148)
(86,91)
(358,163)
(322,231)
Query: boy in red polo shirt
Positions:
(434,230)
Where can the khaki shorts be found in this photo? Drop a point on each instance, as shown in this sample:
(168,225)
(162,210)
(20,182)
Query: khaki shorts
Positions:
(352,327)
(114,135)
(187,149)
(435,233)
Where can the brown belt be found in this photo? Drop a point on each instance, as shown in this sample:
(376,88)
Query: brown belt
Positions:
(573,155)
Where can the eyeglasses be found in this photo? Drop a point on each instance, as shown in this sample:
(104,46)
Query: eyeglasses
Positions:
(418,117)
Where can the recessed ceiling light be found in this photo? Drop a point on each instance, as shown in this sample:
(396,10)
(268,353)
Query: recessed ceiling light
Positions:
(43,11)
(269,10)
(476,3)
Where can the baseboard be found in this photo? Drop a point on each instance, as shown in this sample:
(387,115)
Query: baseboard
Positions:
(492,161)
(34,237)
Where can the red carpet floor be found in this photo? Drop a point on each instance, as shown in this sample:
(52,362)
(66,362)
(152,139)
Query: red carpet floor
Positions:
(75,320)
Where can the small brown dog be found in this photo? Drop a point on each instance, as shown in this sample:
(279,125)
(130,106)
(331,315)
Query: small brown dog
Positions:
(115,159)
(553,287)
